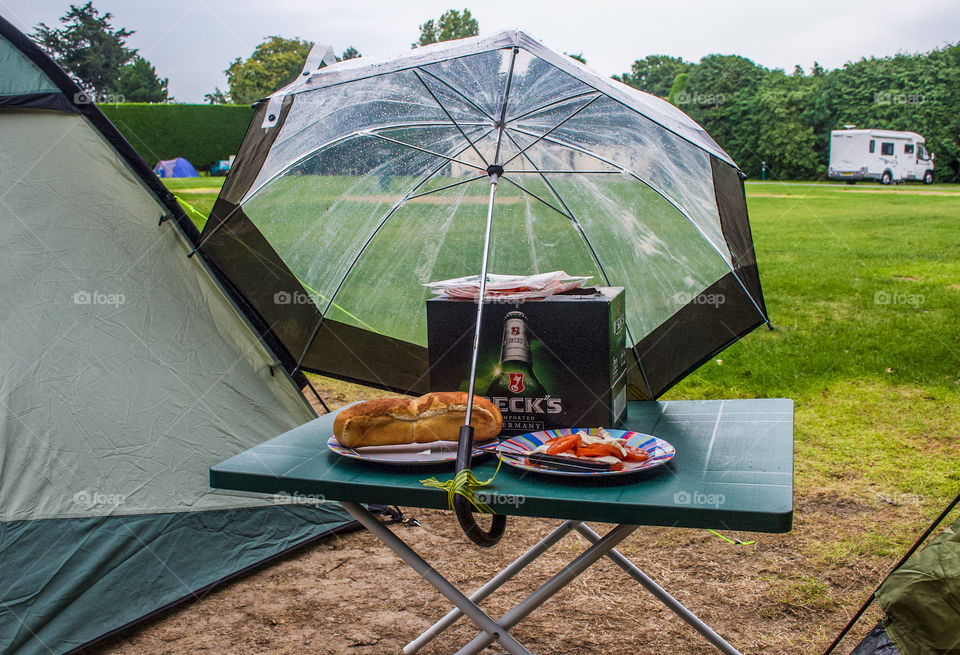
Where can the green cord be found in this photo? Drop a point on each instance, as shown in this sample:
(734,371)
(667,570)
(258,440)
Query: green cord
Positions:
(464,483)
(189,206)
(735,542)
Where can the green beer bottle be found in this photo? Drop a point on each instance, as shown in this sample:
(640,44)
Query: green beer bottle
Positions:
(514,376)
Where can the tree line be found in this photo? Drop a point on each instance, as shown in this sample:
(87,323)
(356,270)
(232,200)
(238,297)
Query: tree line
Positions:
(773,123)
(760,115)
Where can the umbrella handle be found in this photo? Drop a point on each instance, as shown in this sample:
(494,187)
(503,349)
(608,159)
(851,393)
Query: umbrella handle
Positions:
(461,506)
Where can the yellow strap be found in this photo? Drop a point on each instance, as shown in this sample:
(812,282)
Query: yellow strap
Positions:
(464,483)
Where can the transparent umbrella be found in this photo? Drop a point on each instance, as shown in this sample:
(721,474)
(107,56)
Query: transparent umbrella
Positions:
(362,180)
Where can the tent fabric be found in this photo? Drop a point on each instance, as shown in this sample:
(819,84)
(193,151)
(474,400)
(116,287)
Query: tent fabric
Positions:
(921,599)
(20,75)
(352,171)
(126,370)
(178,167)
(877,642)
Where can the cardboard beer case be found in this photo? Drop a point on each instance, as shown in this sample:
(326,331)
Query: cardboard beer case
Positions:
(558,362)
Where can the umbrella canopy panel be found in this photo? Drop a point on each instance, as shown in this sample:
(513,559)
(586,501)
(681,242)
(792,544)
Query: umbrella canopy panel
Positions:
(373,182)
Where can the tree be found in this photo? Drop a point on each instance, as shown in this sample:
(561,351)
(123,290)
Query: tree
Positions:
(349,53)
(138,82)
(95,54)
(654,74)
(452,24)
(579,57)
(273,64)
(218,97)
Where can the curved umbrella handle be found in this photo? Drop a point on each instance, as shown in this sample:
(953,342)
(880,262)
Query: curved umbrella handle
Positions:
(461,506)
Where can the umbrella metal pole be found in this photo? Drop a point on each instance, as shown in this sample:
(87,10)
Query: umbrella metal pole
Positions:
(494,179)
(465,444)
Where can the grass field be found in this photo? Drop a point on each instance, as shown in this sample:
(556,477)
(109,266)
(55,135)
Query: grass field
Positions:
(863,287)
(862,284)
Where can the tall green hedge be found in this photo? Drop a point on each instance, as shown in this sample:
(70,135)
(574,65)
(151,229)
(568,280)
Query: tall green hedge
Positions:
(202,134)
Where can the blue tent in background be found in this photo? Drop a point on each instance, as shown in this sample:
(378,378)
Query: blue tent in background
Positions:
(178,167)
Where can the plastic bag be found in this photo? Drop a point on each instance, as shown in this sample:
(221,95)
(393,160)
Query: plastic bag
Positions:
(508,287)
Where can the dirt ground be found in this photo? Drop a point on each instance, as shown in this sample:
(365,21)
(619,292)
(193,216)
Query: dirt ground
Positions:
(786,594)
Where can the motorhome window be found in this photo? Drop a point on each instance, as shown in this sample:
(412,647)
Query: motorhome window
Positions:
(873,146)
(886,148)
(922,152)
(908,148)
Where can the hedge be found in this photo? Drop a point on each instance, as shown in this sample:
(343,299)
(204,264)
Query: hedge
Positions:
(202,134)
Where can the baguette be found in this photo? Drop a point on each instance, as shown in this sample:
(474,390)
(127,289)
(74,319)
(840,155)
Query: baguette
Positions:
(434,417)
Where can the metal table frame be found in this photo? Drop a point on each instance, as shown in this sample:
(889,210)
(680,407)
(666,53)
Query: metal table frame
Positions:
(741,448)
(499,630)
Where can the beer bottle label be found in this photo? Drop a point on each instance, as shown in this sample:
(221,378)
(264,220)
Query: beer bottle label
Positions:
(515,346)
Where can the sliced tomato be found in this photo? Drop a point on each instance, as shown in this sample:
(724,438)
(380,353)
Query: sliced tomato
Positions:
(635,454)
(563,444)
(599,450)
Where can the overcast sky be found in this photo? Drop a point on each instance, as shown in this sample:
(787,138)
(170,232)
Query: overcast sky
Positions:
(191,42)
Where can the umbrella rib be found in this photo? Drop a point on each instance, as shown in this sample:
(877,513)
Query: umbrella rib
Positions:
(429,152)
(553,104)
(449,186)
(593,253)
(502,125)
(459,93)
(666,197)
(447,114)
(204,239)
(531,193)
(396,206)
(555,127)
(559,172)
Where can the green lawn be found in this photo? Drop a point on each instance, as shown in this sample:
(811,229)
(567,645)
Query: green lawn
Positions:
(863,287)
(196,195)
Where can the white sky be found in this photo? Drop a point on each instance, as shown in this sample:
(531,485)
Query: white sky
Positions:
(191,42)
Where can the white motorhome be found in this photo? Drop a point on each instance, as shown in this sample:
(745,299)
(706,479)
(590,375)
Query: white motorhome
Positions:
(884,155)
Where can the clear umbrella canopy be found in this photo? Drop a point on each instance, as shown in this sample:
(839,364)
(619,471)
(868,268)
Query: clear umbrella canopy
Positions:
(362,181)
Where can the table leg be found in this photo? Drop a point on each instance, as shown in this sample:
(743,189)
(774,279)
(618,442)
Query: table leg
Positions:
(552,586)
(660,593)
(488,625)
(492,585)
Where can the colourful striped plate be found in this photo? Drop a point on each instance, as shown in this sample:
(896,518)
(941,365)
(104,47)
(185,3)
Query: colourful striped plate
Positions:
(521,446)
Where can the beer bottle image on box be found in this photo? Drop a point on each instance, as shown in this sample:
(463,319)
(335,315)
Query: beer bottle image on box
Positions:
(514,376)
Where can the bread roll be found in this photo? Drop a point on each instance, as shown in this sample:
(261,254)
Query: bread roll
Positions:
(434,417)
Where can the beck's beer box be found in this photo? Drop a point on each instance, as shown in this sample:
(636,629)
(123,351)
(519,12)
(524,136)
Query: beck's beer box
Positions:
(558,362)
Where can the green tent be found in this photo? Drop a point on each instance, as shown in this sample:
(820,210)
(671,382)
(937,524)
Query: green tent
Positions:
(921,599)
(126,370)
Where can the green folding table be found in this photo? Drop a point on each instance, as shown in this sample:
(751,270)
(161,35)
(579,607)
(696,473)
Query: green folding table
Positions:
(733,470)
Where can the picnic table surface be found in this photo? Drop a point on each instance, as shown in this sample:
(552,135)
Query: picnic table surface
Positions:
(733,470)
